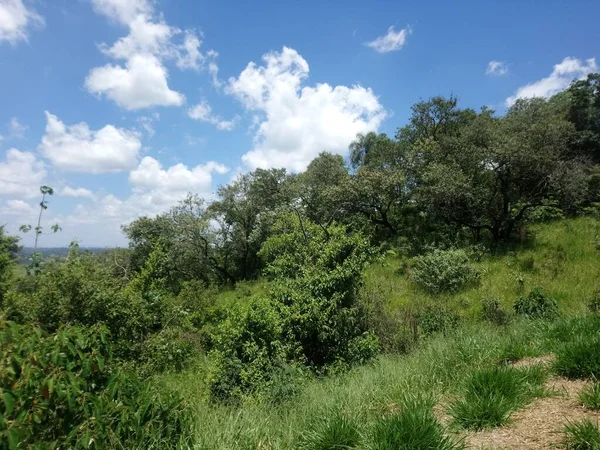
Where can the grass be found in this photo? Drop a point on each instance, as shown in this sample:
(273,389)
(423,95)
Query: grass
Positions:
(492,394)
(361,403)
(562,259)
(590,396)
(579,358)
(414,427)
(583,435)
(331,431)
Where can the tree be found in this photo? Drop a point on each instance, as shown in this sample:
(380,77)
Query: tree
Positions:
(8,253)
(494,170)
(45,190)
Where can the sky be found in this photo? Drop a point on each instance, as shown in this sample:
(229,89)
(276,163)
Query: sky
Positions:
(125,106)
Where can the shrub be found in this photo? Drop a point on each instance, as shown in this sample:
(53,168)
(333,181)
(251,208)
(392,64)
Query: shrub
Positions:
(593,303)
(414,427)
(579,358)
(590,396)
(536,305)
(396,331)
(249,346)
(444,271)
(331,432)
(583,435)
(491,395)
(492,311)
(168,350)
(437,319)
(61,388)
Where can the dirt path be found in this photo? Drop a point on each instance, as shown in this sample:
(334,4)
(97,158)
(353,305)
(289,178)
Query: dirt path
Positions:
(539,426)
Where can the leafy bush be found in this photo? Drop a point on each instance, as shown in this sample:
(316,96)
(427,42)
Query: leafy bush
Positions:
(492,311)
(61,388)
(168,350)
(593,303)
(444,271)
(590,396)
(249,347)
(414,427)
(491,395)
(536,305)
(582,435)
(396,331)
(330,432)
(437,319)
(579,358)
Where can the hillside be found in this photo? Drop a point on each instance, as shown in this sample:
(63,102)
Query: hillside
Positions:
(562,259)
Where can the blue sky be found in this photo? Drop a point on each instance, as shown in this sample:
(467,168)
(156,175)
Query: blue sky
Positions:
(123,106)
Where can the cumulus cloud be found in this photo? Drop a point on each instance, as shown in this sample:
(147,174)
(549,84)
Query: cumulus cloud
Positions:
(122,11)
(17,129)
(16,21)
(142,80)
(297,123)
(18,207)
(76,148)
(21,174)
(142,83)
(497,68)
(561,77)
(77,192)
(203,112)
(391,41)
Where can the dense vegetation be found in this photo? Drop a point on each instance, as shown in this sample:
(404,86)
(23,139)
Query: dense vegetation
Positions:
(300,310)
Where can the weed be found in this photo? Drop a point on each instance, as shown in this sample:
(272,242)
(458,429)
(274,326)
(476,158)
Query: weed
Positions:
(583,435)
(579,358)
(491,395)
(332,431)
(415,427)
(537,305)
(493,312)
(590,396)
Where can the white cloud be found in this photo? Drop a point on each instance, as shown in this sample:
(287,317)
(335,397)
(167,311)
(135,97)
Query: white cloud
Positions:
(300,122)
(147,123)
(76,148)
(122,11)
(142,83)
(18,207)
(561,77)
(21,174)
(77,192)
(497,68)
(177,179)
(391,41)
(16,21)
(17,129)
(203,113)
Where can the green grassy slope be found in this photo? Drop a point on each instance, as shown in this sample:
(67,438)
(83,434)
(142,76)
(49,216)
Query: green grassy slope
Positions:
(566,263)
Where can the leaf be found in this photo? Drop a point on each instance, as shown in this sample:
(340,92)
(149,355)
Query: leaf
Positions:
(9,402)
(13,438)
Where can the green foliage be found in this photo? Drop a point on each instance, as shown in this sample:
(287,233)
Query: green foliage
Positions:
(415,426)
(491,395)
(331,431)
(536,305)
(8,251)
(593,303)
(492,311)
(582,435)
(63,389)
(579,357)
(249,348)
(444,271)
(437,319)
(168,350)
(590,396)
